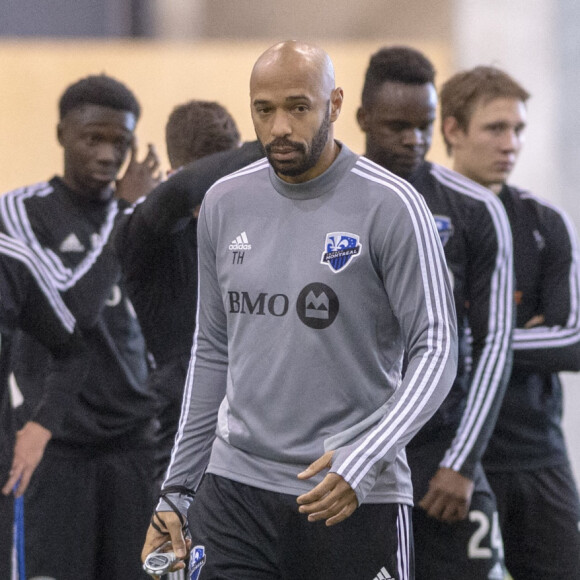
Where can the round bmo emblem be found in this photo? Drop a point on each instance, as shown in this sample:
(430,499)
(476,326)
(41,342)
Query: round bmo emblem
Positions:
(317,305)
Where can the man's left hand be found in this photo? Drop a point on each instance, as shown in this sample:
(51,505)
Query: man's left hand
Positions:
(333,499)
(449,496)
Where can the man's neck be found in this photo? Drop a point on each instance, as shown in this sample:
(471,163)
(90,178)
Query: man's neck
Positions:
(101,195)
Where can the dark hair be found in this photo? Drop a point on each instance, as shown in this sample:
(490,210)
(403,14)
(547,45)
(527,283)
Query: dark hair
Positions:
(463,91)
(199,128)
(98,90)
(400,64)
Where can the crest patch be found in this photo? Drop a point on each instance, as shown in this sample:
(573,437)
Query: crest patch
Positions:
(340,248)
(444,227)
(196,562)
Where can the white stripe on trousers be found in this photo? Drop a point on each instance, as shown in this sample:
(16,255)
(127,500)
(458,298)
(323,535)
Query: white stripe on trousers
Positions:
(403,534)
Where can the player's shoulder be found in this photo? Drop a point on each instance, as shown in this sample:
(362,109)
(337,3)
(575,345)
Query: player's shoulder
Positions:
(249,176)
(466,190)
(16,204)
(544,209)
(477,204)
(375,180)
(40,188)
(20,264)
(531,198)
(13,254)
(17,262)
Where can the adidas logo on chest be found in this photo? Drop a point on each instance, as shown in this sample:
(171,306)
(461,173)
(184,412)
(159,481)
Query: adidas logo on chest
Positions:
(71,244)
(240,243)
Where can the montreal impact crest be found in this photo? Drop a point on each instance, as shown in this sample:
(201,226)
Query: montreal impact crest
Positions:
(340,248)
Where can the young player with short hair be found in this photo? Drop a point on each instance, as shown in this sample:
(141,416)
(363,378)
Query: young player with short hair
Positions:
(483,115)
(455,514)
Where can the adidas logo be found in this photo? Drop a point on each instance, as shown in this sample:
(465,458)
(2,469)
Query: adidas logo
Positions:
(383,575)
(241,243)
(71,244)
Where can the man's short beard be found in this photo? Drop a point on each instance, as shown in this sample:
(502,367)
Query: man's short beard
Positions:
(316,148)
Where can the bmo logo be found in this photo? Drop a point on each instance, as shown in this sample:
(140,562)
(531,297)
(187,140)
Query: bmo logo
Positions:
(316,306)
(260,304)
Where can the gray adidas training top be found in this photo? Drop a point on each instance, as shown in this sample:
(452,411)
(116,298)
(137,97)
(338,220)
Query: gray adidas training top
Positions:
(308,296)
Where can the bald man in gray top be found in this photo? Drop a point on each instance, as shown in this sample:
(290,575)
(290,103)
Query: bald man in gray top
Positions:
(318,270)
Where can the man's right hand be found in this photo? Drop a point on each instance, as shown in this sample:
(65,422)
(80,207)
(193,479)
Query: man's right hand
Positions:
(170,524)
(449,496)
(140,176)
(29,448)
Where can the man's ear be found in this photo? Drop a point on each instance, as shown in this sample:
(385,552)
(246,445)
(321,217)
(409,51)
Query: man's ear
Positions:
(59,132)
(362,119)
(336,99)
(451,131)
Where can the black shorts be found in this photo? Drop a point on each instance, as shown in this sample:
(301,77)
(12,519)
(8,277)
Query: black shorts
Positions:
(471,549)
(246,533)
(540,519)
(87,512)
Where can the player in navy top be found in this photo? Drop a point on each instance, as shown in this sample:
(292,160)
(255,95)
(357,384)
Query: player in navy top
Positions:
(156,242)
(483,123)
(104,441)
(397,115)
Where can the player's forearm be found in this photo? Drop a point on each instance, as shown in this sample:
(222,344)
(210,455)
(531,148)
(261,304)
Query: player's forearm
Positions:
(427,382)
(205,385)
(553,346)
(64,381)
(556,356)
(550,341)
(205,389)
(469,445)
(169,203)
(489,380)
(192,448)
(428,324)
(491,318)
(173,201)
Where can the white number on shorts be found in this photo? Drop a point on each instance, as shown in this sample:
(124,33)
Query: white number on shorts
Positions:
(496,539)
(475,550)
